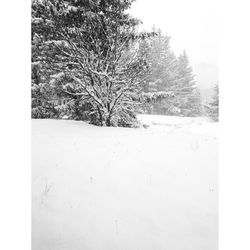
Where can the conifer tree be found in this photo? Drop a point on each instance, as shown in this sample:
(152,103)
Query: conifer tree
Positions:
(186,91)
(170,74)
(161,72)
(212,108)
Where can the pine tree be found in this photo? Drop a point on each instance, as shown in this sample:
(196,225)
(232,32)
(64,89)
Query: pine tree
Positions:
(212,108)
(188,99)
(169,74)
(161,75)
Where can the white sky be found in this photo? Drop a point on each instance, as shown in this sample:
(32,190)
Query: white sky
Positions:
(192,25)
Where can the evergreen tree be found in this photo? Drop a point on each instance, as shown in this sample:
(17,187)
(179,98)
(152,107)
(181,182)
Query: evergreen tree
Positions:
(161,75)
(185,89)
(212,108)
(172,75)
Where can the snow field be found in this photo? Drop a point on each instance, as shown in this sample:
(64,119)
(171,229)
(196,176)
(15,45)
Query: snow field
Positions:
(105,188)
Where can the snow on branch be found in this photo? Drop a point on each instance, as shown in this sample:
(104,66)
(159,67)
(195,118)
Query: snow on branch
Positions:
(157,96)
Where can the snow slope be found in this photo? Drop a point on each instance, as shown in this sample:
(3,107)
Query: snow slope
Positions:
(105,188)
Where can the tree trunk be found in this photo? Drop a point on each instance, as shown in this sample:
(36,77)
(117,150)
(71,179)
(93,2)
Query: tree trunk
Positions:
(108,121)
(100,116)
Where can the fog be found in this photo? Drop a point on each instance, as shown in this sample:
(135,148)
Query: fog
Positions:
(192,25)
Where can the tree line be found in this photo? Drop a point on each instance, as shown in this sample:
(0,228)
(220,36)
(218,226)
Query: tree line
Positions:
(90,62)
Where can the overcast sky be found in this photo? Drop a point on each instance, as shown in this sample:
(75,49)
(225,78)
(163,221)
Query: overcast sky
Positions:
(192,25)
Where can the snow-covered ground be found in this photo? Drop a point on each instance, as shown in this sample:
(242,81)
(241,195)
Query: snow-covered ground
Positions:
(196,125)
(99,188)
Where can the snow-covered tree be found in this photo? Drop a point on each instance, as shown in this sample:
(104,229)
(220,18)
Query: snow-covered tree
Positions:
(186,91)
(88,51)
(170,74)
(212,108)
(161,73)
(161,61)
